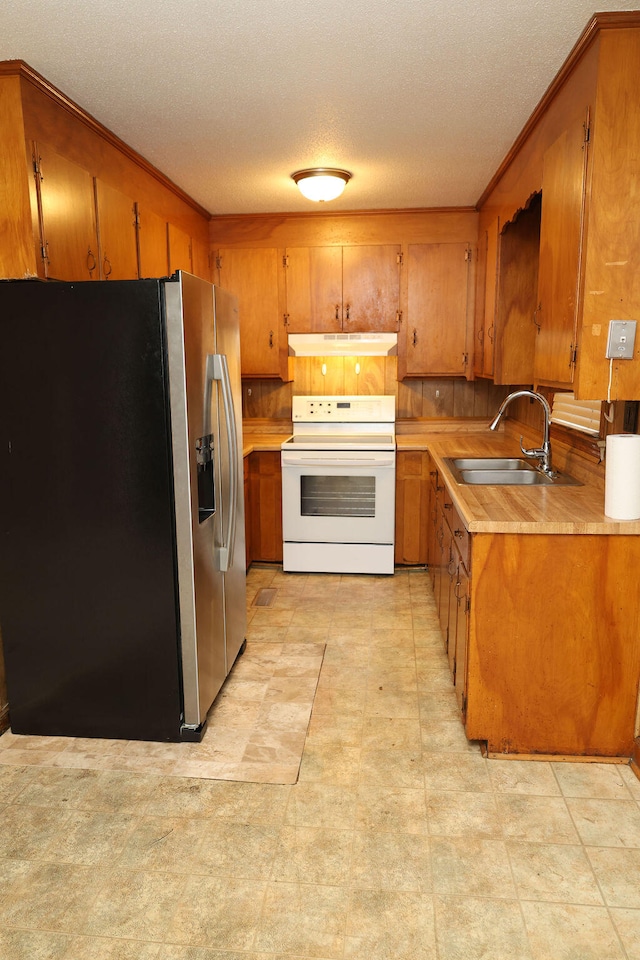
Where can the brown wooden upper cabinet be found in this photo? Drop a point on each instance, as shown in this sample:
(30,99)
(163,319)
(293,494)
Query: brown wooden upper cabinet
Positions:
(68,243)
(118,252)
(563,198)
(352,289)
(179,244)
(253,276)
(433,339)
(486,285)
(152,244)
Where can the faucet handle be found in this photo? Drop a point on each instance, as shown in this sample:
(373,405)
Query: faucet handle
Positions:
(536,452)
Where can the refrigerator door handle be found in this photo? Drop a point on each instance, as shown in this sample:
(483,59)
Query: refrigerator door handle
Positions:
(217,363)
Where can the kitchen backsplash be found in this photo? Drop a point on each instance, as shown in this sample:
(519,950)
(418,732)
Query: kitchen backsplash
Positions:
(446,397)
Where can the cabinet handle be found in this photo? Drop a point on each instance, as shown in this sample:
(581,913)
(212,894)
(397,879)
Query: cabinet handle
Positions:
(271,339)
(451,568)
(106,267)
(458,533)
(481,336)
(348,309)
(490,333)
(536,312)
(337,311)
(455,591)
(448,506)
(91,261)
(415,336)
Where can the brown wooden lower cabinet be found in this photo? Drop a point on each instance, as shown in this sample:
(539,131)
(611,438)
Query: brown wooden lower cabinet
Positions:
(412,507)
(264,509)
(541,636)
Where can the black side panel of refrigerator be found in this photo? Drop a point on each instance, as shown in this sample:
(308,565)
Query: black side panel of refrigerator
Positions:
(88,606)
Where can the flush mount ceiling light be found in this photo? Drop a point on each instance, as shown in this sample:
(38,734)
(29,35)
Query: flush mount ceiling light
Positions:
(321,183)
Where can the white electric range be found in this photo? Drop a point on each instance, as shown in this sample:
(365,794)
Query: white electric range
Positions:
(338,485)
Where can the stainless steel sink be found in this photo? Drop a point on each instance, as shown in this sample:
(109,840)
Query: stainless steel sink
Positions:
(504,471)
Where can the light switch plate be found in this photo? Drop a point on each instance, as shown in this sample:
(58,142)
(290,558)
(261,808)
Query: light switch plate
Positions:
(622,336)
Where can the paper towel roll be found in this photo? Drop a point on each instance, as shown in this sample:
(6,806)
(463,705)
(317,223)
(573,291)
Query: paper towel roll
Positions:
(622,477)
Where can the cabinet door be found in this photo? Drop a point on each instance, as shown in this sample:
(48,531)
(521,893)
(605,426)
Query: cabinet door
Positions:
(179,250)
(462,595)
(66,204)
(152,244)
(371,288)
(563,179)
(314,289)
(201,259)
(253,276)
(412,507)
(118,257)
(487,277)
(436,323)
(265,494)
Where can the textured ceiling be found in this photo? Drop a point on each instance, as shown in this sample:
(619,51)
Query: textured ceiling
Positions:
(420,99)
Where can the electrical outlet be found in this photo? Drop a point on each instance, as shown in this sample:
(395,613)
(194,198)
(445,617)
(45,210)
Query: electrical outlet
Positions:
(622,335)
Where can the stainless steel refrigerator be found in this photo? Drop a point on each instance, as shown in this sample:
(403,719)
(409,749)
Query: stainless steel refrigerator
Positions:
(122,548)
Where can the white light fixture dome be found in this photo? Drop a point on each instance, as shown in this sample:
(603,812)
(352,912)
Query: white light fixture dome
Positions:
(321,183)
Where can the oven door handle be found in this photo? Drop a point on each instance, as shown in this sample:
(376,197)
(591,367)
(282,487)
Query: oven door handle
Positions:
(288,460)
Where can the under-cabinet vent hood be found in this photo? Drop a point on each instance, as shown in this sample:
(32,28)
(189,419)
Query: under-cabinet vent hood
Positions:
(343,344)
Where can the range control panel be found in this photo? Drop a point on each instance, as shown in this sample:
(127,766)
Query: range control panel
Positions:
(380,409)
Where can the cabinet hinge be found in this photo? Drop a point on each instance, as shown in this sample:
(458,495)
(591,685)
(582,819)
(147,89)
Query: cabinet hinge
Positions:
(286,319)
(468,254)
(587,132)
(285,260)
(218,263)
(400,258)
(37,169)
(465,359)
(398,317)
(467,606)
(574,354)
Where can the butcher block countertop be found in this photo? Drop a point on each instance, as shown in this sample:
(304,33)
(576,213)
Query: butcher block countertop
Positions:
(490,509)
(519,509)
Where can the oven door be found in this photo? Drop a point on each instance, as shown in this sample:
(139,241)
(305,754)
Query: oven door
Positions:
(329,496)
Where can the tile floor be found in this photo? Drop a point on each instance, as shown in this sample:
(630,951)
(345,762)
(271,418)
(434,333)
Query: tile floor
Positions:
(398,842)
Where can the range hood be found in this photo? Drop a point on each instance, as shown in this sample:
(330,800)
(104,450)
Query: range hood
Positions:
(343,344)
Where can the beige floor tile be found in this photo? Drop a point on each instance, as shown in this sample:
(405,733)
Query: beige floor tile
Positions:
(330,762)
(53,897)
(392,766)
(303,919)
(13,780)
(386,924)
(27,832)
(391,809)
(162,844)
(58,788)
(90,838)
(472,867)
(312,855)
(102,948)
(627,923)
(607,823)
(618,873)
(631,780)
(445,735)
(455,814)
(322,805)
(467,773)
(559,873)
(601,780)
(567,931)
(241,850)
(34,945)
(391,861)
(391,732)
(480,929)
(217,912)
(536,819)
(534,778)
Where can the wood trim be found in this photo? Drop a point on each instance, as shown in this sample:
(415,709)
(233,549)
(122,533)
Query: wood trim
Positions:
(335,214)
(600,21)
(21,69)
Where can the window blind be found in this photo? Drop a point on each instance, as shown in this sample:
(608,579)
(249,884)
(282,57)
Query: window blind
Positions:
(581,415)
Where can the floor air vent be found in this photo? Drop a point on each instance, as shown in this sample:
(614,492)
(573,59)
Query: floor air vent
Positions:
(265,597)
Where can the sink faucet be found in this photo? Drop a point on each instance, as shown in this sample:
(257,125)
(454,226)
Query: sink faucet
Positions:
(543,453)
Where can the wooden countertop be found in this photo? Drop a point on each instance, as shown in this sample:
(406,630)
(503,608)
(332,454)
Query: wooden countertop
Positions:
(497,509)
(516,509)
